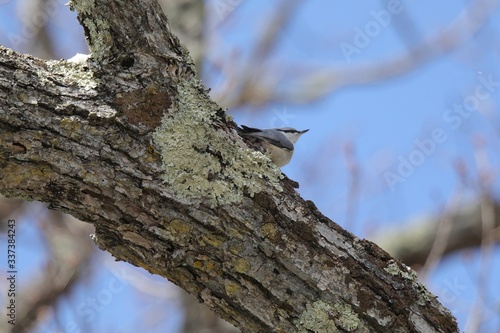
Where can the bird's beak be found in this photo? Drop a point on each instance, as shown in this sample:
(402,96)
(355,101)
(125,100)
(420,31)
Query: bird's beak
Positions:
(302,132)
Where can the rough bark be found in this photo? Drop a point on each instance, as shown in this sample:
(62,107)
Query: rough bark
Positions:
(132,143)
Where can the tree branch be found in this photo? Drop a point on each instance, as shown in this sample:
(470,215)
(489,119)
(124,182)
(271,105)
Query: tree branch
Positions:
(133,144)
(412,244)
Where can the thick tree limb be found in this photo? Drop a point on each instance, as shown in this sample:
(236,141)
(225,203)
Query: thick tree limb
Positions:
(181,197)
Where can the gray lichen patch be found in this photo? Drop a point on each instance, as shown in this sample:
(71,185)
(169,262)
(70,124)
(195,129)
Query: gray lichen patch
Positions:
(83,6)
(322,317)
(347,319)
(200,160)
(394,269)
(424,295)
(99,30)
(316,318)
(73,73)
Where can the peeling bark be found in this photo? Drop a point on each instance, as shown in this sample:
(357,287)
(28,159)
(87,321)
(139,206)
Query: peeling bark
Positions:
(83,138)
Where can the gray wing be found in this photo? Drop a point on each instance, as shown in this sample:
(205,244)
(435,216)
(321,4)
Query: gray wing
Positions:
(276,138)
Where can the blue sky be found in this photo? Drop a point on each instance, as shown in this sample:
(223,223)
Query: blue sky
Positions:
(385,122)
(381,120)
(382,123)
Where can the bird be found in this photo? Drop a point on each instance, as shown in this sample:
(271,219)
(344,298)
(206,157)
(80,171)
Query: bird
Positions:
(277,143)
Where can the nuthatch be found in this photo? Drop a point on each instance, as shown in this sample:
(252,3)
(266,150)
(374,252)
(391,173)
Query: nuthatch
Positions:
(277,143)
